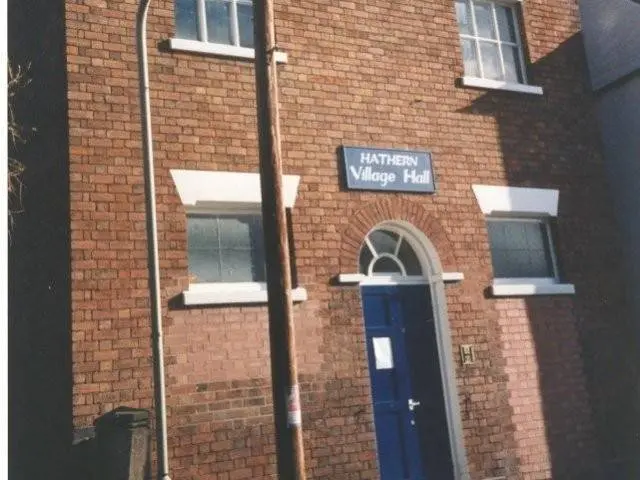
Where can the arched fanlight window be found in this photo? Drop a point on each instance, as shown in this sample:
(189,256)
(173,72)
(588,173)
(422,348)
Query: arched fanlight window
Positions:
(386,252)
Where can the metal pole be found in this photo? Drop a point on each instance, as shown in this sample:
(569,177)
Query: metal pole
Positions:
(152,245)
(284,375)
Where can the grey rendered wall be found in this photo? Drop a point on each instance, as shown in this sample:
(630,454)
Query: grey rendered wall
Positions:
(611,33)
(619,118)
(611,38)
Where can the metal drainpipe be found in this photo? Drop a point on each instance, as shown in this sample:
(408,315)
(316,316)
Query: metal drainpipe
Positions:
(152,244)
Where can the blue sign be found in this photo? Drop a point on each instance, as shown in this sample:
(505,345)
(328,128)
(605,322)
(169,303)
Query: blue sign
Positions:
(389,170)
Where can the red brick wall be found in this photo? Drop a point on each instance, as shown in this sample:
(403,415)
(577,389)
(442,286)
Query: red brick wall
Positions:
(359,73)
(552,417)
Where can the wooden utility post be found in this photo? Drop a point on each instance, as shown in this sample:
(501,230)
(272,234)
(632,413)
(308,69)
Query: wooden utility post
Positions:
(284,374)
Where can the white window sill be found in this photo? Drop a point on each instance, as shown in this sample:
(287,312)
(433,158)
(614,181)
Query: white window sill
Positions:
(196,46)
(227,293)
(497,85)
(527,289)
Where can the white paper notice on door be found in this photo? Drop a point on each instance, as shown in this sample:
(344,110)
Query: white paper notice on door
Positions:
(383,353)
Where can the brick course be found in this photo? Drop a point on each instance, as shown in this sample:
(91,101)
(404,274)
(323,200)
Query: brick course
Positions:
(359,73)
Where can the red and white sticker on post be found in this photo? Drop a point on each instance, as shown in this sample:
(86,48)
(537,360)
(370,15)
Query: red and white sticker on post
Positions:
(294,415)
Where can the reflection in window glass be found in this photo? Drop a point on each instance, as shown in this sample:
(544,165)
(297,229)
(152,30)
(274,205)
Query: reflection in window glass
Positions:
(506,25)
(520,249)
(218,27)
(202,248)
(484,20)
(512,71)
(237,265)
(409,259)
(235,232)
(491,61)
(225,248)
(245,24)
(386,265)
(365,259)
(383,241)
(391,254)
(470,58)
(464,19)
(186,19)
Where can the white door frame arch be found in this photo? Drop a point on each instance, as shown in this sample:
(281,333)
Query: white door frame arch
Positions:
(435,278)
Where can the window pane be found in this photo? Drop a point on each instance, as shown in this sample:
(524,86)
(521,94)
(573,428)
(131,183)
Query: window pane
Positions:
(235,230)
(540,250)
(516,235)
(520,249)
(365,259)
(245,24)
(225,248)
(498,236)
(409,259)
(204,266)
(186,19)
(512,64)
(501,263)
(202,232)
(484,20)
(258,261)
(218,30)
(242,266)
(469,56)
(242,254)
(506,26)
(490,61)
(539,264)
(386,265)
(535,235)
(202,248)
(464,19)
(384,241)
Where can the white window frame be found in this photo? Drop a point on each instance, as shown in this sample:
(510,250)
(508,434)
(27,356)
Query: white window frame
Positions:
(523,204)
(393,256)
(228,192)
(202,45)
(481,81)
(221,210)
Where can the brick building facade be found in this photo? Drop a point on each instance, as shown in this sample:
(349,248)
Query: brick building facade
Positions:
(545,394)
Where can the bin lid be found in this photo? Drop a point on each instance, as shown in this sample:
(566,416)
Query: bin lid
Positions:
(123,417)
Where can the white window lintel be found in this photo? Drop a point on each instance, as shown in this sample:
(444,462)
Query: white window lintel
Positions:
(209,188)
(517,200)
(221,49)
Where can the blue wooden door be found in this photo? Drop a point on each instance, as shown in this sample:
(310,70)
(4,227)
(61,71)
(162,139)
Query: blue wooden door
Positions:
(408,404)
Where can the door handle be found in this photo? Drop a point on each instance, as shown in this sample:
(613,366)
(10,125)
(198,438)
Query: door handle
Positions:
(413,404)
